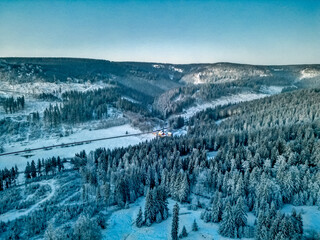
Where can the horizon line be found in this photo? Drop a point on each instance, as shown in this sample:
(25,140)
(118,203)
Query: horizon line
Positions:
(153,62)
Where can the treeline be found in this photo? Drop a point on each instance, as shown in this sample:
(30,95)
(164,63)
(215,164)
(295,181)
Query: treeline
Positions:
(77,107)
(51,165)
(8,177)
(80,107)
(11,105)
(49,96)
(175,100)
(127,105)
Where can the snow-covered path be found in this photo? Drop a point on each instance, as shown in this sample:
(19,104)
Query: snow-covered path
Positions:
(14,214)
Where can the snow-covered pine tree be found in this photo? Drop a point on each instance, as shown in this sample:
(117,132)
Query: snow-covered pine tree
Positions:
(184,232)
(175,222)
(39,167)
(148,209)
(227,226)
(184,189)
(27,172)
(217,210)
(240,215)
(195,226)
(139,220)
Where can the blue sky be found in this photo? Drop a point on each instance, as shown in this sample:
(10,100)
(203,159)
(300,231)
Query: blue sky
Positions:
(247,31)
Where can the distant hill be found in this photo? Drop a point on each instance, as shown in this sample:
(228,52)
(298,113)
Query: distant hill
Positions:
(164,76)
(172,87)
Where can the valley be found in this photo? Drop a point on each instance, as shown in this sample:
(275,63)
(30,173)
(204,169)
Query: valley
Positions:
(243,161)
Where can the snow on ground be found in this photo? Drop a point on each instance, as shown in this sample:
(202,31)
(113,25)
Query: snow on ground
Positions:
(242,97)
(309,73)
(121,225)
(220,121)
(251,218)
(157,66)
(212,154)
(271,89)
(310,216)
(180,132)
(67,152)
(13,214)
(31,105)
(38,87)
(175,69)
(130,99)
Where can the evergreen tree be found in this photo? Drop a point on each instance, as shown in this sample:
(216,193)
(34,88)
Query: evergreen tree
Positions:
(149,209)
(139,220)
(184,189)
(27,172)
(240,214)
(195,226)
(16,171)
(39,167)
(175,222)
(59,163)
(33,169)
(217,210)
(183,233)
(227,226)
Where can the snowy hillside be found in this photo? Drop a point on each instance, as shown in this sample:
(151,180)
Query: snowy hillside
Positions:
(224,72)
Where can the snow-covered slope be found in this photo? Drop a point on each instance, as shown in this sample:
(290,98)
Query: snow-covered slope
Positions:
(223,72)
(242,97)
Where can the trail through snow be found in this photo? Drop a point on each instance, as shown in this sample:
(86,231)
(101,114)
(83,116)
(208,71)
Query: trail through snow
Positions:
(14,214)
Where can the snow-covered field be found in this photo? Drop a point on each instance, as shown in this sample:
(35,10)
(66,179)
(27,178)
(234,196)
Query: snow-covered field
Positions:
(121,225)
(67,152)
(310,216)
(242,97)
(271,89)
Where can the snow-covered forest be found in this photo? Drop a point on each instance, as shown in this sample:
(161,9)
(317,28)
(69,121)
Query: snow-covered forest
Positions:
(241,168)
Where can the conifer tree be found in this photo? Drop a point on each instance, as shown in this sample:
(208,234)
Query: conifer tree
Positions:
(227,226)
(33,169)
(39,167)
(27,171)
(184,189)
(195,226)
(240,214)
(139,220)
(184,232)
(149,208)
(175,222)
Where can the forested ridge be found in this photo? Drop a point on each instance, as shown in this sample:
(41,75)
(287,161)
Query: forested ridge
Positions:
(264,162)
